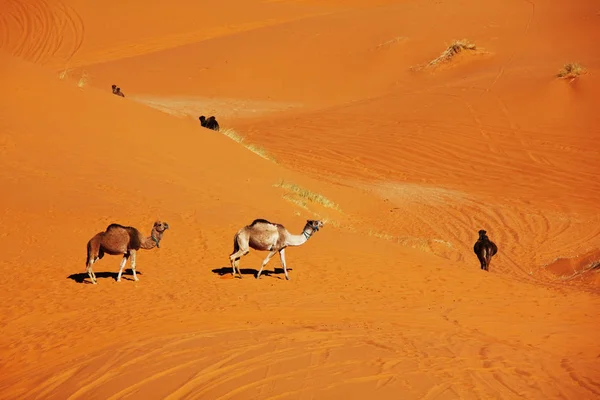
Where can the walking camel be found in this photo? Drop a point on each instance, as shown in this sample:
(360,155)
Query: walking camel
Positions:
(117,90)
(210,123)
(118,239)
(484,248)
(266,236)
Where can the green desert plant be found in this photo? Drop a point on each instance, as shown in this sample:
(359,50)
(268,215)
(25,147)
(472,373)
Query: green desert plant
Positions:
(302,195)
(570,71)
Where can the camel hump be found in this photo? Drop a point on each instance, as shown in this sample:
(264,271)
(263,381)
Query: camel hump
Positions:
(134,238)
(133,233)
(261,221)
(115,226)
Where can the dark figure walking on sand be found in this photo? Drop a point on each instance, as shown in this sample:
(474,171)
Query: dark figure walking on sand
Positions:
(484,249)
(117,90)
(211,123)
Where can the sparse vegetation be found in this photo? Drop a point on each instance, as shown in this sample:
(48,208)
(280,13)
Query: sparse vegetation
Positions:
(232,134)
(81,82)
(455,47)
(301,196)
(571,71)
(64,74)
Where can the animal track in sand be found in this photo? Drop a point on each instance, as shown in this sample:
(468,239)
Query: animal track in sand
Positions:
(44,32)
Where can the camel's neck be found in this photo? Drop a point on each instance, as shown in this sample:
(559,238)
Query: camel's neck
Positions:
(297,240)
(151,241)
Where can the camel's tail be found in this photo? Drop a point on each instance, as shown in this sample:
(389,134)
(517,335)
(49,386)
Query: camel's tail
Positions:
(236,245)
(89,253)
(94,252)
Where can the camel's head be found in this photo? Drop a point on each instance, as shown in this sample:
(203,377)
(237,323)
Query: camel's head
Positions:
(482,232)
(160,226)
(315,225)
(114,87)
(202,118)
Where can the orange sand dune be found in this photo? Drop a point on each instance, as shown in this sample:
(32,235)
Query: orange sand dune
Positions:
(388,299)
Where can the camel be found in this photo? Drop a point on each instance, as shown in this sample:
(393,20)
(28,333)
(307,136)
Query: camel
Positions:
(485,249)
(117,90)
(266,236)
(119,239)
(211,123)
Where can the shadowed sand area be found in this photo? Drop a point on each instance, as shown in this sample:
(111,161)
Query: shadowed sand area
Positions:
(335,114)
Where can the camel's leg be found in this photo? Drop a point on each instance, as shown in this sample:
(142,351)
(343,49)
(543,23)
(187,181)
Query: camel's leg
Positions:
(235,261)
(123,261)
(282,256)
(90,272)
(271,254)
(133,254)
(481,258)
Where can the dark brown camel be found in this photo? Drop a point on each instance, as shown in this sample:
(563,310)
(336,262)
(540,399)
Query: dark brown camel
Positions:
(119,239)
(117,90)
(266,236)
(211,123)
(484,249)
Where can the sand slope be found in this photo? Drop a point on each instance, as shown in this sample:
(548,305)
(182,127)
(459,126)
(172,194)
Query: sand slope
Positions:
(387,300)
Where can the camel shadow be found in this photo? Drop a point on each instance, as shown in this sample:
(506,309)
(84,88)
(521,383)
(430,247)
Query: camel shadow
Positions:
(250,271)
(83,277)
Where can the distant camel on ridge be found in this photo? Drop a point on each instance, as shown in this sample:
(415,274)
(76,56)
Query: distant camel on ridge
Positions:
(210,123)
(118,239)
(117,90)
(484,249)
(266,236)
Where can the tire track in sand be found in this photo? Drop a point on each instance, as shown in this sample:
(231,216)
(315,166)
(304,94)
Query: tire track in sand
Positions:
(43,32)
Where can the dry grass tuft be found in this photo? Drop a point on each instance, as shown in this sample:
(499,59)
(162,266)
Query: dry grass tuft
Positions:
(81,82)
(571,71)
(302,196)
(232,134)
(455,47)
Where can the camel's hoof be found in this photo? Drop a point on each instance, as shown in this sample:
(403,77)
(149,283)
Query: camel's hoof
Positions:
(136,279)
(257,276)
(287,278)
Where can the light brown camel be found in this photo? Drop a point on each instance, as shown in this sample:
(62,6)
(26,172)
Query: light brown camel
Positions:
(266,236)
(119,239)
(484,248)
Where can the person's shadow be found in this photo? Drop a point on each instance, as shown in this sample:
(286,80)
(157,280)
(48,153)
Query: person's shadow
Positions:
(83,277)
